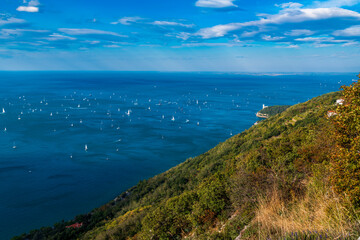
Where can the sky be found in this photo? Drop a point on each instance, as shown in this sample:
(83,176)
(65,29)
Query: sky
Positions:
(180,35)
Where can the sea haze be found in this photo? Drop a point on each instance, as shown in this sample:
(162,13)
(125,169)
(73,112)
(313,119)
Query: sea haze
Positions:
(71,141)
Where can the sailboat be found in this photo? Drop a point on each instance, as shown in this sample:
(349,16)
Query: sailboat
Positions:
(173,118)
(86,147)
(3,111)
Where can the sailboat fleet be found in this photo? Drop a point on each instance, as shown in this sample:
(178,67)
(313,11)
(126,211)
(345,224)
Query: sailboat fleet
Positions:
(68,110)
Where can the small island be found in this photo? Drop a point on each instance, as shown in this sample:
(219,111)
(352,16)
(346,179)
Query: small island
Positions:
(269,111)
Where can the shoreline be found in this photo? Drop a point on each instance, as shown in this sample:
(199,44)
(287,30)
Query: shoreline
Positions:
(262,115)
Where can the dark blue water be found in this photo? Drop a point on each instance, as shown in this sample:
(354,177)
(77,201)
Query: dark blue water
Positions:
(134,125)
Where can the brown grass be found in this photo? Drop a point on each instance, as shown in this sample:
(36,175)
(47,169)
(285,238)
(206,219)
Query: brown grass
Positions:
(316,211)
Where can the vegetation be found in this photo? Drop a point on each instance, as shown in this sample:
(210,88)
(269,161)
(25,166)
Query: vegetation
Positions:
(346,160)
(273,110)
(274,180)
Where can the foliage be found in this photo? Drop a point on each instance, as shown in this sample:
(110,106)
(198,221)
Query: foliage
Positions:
(273,110)
(346,161)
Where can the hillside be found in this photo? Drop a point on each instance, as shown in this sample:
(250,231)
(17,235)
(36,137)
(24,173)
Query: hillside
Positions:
(271,111)
(271,181)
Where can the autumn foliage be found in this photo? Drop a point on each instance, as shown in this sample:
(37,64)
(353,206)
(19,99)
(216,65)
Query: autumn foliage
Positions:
(346,159)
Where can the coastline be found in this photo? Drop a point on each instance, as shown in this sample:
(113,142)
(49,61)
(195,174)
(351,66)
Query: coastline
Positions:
(262,115)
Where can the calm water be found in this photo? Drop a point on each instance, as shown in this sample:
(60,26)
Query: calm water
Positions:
(70,142)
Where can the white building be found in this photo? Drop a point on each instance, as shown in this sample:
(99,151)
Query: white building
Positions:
(340,101)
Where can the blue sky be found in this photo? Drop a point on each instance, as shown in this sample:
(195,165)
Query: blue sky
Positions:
(186,35)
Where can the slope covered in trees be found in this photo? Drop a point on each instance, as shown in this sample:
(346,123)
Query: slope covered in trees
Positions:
(283,178)
(273,110)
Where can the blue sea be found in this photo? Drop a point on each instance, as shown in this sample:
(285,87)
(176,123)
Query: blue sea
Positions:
(72,141)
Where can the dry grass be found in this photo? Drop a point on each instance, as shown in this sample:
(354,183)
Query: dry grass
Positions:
(315,212)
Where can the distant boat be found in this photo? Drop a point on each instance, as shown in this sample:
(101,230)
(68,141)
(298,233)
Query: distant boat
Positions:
(187,120)
(14,146)
(5,129)
(86,147)
(128,112)
(3,111)
(173,118)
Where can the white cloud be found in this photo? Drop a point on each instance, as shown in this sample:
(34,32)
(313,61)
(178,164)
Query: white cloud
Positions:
(322,45)
(353,31)
(11,20)
(292,5)
(175,24)
(183,35)
(219,30)
(215,3)
(299,32)
(132,20)
(128,20)
(59,37)
(112,46)
(285,16)
(11,33)
(84,31)
(234,44)
(336,3)
(351,44)
(29,9)
(288,46)
(21,31)
(34,3)
(249,34)
(292,46)
(320,40)
(270,38)
(32,7)
(91,42)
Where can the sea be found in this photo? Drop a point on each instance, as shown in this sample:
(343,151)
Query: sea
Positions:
(72,141)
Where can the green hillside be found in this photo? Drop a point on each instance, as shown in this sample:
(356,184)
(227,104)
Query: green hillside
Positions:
(272,181)
(272,110)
